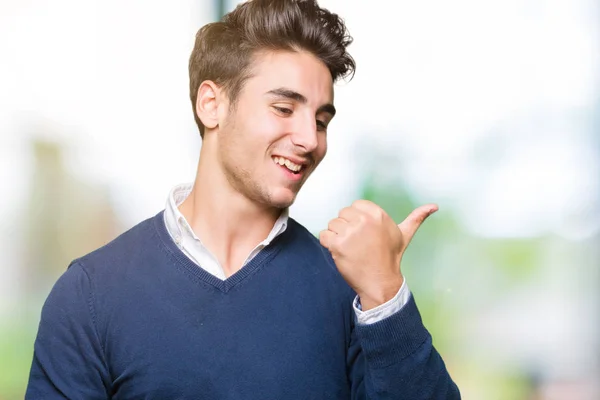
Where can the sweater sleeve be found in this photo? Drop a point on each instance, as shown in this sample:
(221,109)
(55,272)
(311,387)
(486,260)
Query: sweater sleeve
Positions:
(395,359)
(68,361)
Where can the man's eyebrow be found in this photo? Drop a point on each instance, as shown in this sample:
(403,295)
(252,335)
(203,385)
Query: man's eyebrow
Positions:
(328,108)
(288,94)
(293,95)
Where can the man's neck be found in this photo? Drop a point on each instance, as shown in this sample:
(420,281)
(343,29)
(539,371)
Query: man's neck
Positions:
(229,225)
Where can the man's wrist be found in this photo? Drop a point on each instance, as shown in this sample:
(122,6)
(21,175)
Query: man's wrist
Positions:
(381,293)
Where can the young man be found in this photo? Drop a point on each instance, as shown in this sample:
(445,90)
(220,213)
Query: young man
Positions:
(222,295)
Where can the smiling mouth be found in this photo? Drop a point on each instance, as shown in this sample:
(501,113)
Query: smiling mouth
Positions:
(292,167)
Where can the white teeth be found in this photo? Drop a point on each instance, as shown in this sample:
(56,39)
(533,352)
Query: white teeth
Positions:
(290,165)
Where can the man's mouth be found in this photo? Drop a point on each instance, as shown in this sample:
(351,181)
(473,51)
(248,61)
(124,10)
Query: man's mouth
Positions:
(291,166)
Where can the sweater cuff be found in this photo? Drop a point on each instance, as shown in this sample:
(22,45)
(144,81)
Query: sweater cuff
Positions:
(391,340)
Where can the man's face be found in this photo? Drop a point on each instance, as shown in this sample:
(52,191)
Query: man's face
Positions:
(275,135)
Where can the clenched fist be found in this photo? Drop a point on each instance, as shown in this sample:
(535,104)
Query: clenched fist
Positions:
(367,247)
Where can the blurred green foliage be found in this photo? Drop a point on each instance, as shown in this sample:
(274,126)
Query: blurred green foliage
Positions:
(16,348)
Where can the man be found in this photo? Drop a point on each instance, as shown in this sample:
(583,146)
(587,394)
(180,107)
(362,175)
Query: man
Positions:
(222,295)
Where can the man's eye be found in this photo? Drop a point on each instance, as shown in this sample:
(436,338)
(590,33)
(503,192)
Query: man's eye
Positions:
(283,110)
(321,125)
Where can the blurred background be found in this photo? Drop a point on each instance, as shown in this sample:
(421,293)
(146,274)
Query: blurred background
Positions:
(491,108)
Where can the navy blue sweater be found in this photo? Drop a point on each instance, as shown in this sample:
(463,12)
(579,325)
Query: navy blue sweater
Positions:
(136,319)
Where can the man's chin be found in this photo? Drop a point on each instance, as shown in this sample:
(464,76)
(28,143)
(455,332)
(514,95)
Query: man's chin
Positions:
(283,199)
(282,203)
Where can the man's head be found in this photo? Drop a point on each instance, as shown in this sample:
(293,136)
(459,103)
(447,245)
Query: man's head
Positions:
(261,85)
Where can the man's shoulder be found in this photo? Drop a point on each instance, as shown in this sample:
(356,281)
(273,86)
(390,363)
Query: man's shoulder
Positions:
(309,246)
(302,237)
(125,249)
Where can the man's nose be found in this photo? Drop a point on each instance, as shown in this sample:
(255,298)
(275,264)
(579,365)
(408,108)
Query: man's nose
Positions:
(305,134)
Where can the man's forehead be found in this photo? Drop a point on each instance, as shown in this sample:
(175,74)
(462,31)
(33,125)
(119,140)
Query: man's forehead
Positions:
(299,72)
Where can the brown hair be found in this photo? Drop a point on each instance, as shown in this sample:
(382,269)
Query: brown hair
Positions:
(223,50)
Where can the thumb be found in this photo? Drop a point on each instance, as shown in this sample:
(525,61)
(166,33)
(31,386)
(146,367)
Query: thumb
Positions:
(409,226)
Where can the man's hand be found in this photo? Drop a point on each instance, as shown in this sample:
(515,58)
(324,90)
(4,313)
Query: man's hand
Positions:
(367,247)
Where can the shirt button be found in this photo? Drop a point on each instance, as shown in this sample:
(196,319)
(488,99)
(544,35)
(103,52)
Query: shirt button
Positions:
(178,239)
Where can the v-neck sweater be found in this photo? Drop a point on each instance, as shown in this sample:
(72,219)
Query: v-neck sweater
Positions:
(137,319)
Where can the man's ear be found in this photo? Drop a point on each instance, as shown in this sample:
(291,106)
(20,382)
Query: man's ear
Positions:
(207,104)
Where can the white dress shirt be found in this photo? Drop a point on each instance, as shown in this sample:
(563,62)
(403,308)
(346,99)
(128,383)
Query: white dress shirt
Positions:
(191,245)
